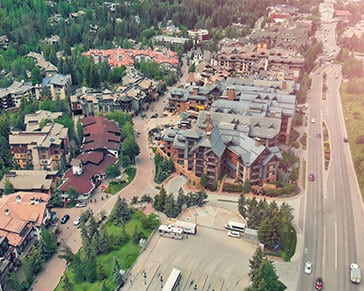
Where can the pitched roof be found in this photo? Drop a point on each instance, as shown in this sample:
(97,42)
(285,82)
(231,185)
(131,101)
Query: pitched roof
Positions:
(92,165)
(100,133)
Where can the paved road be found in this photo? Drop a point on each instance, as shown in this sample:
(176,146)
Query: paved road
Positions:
(333,205)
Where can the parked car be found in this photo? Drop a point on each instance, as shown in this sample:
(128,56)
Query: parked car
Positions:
(345,139)
(319,283)
(77,221)
(234,234)
(65,218)
(308,267)
(311,177)
(81,204)
(313,120)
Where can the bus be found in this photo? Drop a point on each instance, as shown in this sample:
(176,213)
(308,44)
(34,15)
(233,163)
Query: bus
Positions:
(173,280)
(170,231)
(188,227)
(232,225)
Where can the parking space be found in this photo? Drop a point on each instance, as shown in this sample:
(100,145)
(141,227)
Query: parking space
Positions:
(209,260)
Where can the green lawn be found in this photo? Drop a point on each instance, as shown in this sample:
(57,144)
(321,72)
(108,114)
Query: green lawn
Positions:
(115,186)
(354,119)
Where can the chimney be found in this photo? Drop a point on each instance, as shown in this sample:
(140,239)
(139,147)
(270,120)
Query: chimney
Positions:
(7,211)
(18,199)
(230,92)
(195,90)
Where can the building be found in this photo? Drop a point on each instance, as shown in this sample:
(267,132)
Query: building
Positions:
(58,85)
(222,149)
(126,57)
(133,97)
(44,149)
(47,68)
(12,96)
(199,35)
(22,215)
(100,149)
(30,181)
(171,41)
(33,120)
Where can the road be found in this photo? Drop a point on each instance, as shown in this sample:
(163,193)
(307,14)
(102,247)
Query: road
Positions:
(333,205)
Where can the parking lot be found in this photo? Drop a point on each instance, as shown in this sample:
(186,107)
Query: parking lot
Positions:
(209,260)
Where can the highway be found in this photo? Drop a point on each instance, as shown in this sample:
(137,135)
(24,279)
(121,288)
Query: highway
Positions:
(333,206)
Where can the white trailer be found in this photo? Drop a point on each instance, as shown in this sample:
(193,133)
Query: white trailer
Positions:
(187,227)
(170,231)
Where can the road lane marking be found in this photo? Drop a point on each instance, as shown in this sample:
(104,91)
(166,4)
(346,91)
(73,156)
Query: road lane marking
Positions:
(333,190)
(335,245)
(324,248)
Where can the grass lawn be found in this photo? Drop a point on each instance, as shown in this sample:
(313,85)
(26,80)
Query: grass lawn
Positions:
(115,186)
(354,119)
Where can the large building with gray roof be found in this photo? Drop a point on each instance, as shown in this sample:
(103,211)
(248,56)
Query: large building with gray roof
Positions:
(224,148)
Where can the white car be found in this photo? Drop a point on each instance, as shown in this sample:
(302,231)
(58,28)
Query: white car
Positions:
(313,120)
(77,221)
(308,267)
(234,234)
(81,204)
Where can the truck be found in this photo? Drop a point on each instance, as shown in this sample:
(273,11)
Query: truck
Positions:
(355,275)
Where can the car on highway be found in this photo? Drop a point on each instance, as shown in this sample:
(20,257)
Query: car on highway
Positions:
(319,283)
(318,135)
(65,218)
(313,120)
(311,177)
(345,139)
(77,221)
(308,267)
(81,204)
(233,234)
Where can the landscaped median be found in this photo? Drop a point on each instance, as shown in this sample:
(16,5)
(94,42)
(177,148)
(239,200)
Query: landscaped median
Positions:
(327,151)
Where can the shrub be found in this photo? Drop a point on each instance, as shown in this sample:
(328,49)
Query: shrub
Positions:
(232,187)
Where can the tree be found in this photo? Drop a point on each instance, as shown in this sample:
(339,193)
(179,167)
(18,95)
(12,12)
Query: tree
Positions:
(160,200)
(203,180)
(246,186)
(8,187)
(121,212)
(66,254)
(112,171)
(67,286)
(255,262)
(36,76)
(72,194)
(47,243)
(242,204)
(269,231)
(170,208)
(118,278)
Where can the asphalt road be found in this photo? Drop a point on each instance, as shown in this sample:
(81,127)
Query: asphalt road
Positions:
(333,206)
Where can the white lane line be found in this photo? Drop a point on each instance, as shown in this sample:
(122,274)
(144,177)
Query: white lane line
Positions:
(335,245)
(324,248)
(333,190)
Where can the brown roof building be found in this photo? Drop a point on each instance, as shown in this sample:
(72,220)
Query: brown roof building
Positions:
(21,214)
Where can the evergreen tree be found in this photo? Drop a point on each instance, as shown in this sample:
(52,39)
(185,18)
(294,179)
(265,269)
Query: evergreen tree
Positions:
(121,212)
(255,262)
(242,204)
(8,187)
(160,200)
